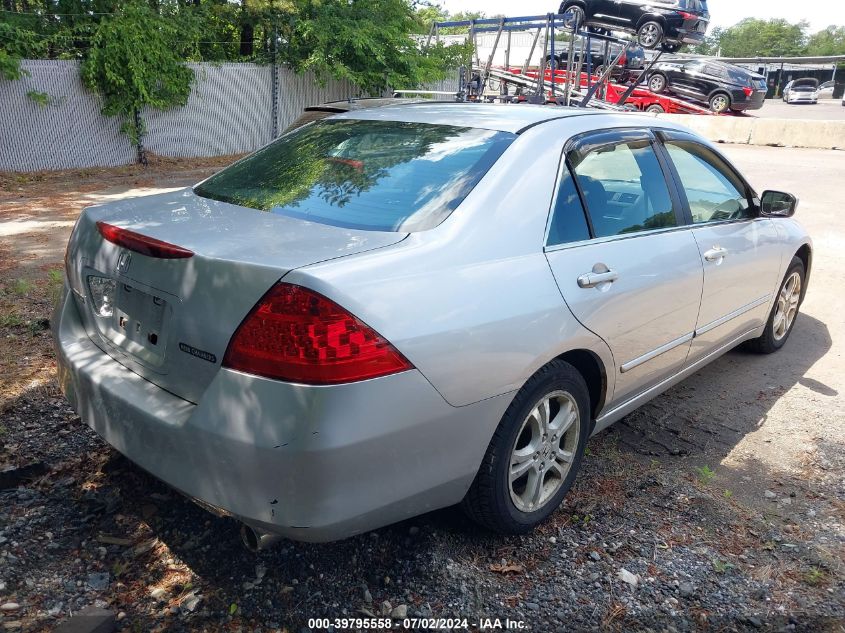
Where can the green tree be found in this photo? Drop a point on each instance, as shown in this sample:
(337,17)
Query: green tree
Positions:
(367,42)
(17,43)
(135,61)
(830,41)
(758,38)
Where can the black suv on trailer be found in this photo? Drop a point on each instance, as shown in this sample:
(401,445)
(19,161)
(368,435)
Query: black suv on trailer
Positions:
(721,86)
(668,24)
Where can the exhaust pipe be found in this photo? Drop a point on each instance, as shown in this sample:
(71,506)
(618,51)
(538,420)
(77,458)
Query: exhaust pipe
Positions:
(257,540)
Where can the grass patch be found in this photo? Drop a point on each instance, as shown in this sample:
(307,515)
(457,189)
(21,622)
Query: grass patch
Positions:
(21,287)
(11,320)
(721,567)
(814,577)
(705,474)
(55,281)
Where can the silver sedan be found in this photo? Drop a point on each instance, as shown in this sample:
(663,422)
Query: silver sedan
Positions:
(399,309)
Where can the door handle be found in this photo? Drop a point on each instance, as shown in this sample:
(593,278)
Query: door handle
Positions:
(716,253)
(591,280)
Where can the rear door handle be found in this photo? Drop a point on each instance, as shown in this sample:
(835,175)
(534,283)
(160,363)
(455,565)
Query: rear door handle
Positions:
(591,280)
(716,253)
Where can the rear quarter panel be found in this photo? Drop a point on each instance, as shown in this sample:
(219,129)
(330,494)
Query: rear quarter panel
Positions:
(472,303)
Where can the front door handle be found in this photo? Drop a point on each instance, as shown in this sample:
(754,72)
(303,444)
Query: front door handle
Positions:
(592,279)
(715,254)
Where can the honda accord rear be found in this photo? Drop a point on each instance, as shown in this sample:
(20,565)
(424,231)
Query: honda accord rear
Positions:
(187,343)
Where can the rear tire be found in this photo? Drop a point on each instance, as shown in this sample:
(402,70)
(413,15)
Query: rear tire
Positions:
(657,83)
(650,34)
(671,47)
(720,102)
(535,453)
(655,107)
(784,312)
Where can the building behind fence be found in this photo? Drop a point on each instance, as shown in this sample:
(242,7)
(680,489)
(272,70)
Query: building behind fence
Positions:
(230,111)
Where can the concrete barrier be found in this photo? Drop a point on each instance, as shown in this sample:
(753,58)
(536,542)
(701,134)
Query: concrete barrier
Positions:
(772,132)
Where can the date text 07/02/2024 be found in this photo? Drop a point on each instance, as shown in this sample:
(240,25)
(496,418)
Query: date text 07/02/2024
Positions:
(456,624)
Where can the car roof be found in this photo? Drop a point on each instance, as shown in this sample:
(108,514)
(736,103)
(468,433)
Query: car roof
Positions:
(501,117)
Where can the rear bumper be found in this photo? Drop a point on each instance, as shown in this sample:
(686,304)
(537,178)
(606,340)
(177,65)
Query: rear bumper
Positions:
(801,98)
(309,463)
(684,36)
(748,104)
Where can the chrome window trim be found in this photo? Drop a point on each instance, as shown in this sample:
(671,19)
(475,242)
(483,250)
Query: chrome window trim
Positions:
(614,238)
(668,347)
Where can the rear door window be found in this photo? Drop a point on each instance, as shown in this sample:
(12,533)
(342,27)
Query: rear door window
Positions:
(624,188)
(371,175)
(568,221)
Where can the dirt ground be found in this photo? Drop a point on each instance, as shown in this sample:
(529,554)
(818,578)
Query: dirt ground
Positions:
(725,496)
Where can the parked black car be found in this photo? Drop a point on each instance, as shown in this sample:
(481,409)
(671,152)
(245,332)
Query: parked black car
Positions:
(721,86)
(657,23)
(630,65)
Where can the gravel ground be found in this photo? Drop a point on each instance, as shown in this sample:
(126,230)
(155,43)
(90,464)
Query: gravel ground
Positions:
(693,514)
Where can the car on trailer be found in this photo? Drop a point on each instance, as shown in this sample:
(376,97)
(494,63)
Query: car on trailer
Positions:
(802,91)
(399,309)
(721,86)
(666,24)
(629,67)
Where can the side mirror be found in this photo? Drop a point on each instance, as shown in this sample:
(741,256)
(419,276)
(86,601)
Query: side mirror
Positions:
(777,204)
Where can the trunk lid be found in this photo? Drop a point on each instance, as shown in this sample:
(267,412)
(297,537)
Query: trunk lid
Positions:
(170,320)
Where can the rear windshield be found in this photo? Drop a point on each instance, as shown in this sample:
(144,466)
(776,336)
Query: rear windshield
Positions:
(373,175)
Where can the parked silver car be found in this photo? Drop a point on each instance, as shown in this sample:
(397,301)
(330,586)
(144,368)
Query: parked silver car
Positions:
(399,309)
(802,91)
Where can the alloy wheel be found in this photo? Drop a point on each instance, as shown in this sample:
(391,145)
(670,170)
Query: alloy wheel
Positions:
(656,83)
(649,35)
(719,103)
(544,450)
(787,307)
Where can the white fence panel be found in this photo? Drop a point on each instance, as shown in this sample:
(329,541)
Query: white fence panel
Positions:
(296,92)
(229,112)
(69,132)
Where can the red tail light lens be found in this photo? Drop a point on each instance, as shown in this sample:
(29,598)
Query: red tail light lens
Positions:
(687,16)
(297,335)
(141,243)
(748,91)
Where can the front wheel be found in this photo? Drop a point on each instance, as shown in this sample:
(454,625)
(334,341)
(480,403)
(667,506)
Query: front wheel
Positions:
(535,453)
(650,35)
(784,312)
(719,103)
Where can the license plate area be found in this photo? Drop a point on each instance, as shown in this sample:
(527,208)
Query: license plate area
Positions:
(132,318)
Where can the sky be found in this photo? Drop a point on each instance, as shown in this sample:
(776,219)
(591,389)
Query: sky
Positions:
(819,13)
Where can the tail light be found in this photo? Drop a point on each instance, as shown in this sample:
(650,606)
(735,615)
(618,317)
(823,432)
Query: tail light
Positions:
(687,16)
(748,91)
(297,335)
(141,243)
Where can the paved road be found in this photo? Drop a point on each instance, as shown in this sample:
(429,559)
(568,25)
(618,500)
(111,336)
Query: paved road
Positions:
(826,109)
